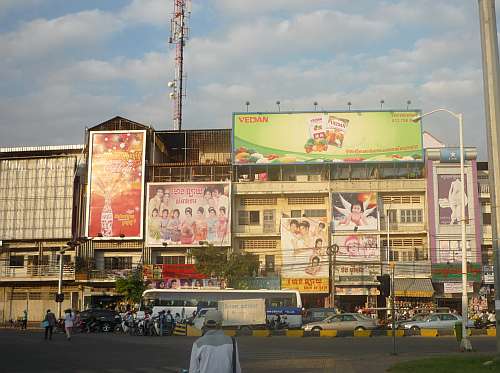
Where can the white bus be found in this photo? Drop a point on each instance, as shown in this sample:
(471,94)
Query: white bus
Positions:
(185,301)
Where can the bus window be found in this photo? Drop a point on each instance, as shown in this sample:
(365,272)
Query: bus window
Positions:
(191,302)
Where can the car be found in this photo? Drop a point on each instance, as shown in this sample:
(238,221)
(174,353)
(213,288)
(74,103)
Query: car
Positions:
(433,321)
(345,321)
(106,319)
(418,317)
(317,314)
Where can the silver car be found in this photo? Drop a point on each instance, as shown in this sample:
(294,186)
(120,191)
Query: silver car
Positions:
(434,321)
(345,321)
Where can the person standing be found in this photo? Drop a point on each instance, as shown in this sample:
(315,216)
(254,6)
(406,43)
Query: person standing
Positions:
(49,323)
(24,321)
(214,352)
(68,323)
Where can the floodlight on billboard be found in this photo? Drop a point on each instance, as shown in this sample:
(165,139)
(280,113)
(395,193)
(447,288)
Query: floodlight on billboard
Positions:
(350,137)
(115,184)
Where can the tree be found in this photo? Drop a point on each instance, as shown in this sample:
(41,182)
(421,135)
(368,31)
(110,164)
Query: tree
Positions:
(215,262)
(132,286)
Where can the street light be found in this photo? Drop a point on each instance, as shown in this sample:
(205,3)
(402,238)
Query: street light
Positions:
(465,344)
(332,251)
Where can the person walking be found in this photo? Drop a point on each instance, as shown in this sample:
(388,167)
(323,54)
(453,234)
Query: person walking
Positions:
(214,352)
(49,322)
(68,323)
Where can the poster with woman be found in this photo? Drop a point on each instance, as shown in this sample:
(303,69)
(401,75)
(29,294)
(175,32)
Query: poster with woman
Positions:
(358,247)
(450,199)
(303,245)
(355,211)
(187,214)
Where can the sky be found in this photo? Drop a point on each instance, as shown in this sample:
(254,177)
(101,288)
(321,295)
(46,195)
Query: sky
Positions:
(68,65)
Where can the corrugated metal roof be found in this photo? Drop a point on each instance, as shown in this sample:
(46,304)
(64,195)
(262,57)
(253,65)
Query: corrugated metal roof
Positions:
(41,148)
(413,287)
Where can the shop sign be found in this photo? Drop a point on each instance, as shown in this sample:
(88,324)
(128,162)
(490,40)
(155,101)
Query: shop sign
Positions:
(488,275)
(305,285)
(456,287)
(444,272)
(356,291)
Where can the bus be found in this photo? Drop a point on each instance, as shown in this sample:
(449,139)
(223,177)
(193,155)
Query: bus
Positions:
(185,301)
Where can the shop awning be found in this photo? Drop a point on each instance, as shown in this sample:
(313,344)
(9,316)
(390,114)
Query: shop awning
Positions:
(413,287)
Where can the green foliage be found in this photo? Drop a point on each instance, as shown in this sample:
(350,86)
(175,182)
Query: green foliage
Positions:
(132,286)
(215,262)
(451,364)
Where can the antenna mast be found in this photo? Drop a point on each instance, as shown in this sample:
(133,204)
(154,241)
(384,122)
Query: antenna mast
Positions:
(178,36)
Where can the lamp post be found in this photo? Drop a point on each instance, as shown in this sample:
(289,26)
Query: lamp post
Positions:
(465,344)
(332,251)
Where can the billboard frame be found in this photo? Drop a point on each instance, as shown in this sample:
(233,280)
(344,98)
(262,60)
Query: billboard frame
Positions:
(230,215)
(89,186)
(418,111)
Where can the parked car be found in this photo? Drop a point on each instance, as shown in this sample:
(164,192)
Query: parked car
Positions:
(317,314)
(105,319)
(433,321)
(345,321)
(418,317)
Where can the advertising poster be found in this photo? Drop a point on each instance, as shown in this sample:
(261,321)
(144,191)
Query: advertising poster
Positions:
(185,214)
(303,247)
(177,276)
(356,272)
(450,199)
(354,137)
(116,179)
(355,211)
(358,248)
(452,272)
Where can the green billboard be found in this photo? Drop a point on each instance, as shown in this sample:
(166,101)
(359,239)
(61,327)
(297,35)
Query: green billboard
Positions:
(352,136)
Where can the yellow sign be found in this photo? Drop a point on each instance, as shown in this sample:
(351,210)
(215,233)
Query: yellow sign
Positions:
(306,285)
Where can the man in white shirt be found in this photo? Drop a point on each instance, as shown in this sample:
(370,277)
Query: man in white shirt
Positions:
(214,352)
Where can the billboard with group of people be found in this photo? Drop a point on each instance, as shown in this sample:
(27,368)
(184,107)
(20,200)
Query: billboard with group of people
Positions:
(305,243)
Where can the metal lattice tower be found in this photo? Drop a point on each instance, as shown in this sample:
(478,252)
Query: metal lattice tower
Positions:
(178,36)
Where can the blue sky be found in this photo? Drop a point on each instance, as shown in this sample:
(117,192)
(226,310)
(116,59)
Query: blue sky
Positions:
(66,65)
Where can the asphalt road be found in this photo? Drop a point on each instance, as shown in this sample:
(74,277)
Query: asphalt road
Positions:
(26,351)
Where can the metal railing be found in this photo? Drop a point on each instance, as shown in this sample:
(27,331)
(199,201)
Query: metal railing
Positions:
(36,271)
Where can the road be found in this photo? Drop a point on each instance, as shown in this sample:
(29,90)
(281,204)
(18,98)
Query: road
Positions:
(26,351)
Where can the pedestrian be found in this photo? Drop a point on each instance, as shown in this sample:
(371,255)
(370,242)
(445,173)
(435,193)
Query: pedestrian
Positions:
(68,323)
(177,318)
(48,323)
(24,320)
(161,321)
(214,352)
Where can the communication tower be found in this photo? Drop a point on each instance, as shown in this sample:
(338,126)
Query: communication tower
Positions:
(178,36)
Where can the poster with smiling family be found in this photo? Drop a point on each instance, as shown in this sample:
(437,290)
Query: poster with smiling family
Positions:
(187,214)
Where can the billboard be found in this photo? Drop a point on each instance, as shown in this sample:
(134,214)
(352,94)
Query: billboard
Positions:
(177,276)
(277,138)
(185,214)
(358,248)
(450,251)
(450,199)
(115,181)
(356,272)
(303,247)
(355,211)
(444,272)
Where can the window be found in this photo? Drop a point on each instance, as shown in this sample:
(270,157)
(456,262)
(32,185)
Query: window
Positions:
(269,263)
(315,213)
(248,217)
(121,262)
(348,318)
(411,216)
(66,259)
(487,218)
(170,260)
(16,261)
(448,317)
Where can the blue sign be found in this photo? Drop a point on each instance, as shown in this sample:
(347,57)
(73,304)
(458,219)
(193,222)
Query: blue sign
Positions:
(450,155)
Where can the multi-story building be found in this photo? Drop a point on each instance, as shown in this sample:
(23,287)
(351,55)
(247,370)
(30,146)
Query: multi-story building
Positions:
(37,204)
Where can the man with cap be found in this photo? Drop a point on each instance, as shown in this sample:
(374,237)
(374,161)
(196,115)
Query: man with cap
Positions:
(214,352)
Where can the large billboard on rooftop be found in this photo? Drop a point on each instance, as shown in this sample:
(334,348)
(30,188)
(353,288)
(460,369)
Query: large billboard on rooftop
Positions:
(317,137)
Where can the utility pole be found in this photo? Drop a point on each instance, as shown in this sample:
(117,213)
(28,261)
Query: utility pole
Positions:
(489,46)
(59,298)
(332,251)
(393,308)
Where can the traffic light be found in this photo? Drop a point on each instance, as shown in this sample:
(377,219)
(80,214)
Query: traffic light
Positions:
(385,285)
(59,297)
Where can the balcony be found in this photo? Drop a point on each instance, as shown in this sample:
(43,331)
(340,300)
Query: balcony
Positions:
(484,190)
(103,275)
(48,272)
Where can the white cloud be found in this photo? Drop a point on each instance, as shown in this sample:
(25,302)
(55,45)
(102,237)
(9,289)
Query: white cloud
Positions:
(43,37)
(156,12)
(6,6)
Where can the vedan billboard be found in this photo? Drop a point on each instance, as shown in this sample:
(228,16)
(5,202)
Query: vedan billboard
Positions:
(115,179)
(277,138)
(355,211)
(187,214)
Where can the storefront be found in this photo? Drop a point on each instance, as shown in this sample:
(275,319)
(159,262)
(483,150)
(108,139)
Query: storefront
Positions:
(350,298)
(413,293)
